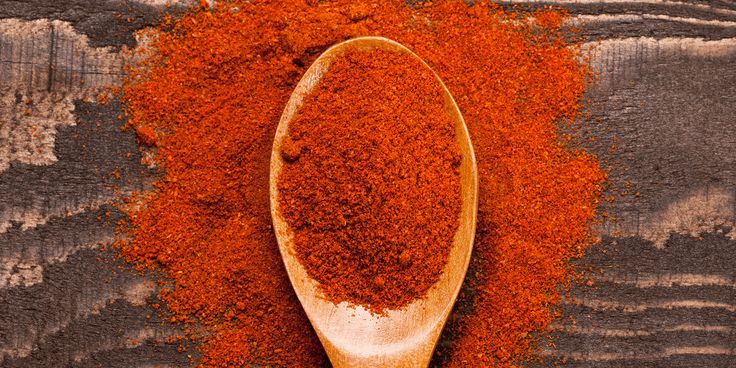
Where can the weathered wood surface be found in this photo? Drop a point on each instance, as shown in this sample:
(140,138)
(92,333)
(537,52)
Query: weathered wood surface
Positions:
(666,100)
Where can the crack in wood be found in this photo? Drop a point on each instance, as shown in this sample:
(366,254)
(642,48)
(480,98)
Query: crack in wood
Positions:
(33,107)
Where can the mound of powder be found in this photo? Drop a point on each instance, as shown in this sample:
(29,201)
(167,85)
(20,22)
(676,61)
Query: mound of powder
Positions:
(370,185)
(212,85)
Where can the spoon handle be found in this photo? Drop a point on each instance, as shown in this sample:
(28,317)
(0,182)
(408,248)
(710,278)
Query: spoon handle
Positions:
(405,356)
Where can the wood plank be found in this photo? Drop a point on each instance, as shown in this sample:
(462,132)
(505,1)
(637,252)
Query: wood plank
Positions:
(58,303)
(666,100)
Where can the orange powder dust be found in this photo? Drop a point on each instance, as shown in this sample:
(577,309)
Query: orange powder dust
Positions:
(212,85)
(370,184)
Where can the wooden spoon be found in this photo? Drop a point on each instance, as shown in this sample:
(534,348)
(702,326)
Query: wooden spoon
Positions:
(352,336)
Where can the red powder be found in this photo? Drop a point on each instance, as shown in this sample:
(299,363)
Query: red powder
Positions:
(371,185)
(145,135)
(213,85)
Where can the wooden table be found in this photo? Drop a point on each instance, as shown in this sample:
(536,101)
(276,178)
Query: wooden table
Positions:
(666,102)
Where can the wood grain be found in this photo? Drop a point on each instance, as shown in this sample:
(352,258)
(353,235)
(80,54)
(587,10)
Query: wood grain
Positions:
(666,101)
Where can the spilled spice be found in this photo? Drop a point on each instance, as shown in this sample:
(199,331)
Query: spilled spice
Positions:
(370,184)
(212,85)
(145,136)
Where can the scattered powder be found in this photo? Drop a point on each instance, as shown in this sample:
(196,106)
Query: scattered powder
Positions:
(212,85)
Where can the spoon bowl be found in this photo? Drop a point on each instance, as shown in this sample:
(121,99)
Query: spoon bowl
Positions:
(351,335)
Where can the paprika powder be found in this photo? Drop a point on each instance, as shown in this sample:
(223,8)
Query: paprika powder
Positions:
(212,83)
(371,183)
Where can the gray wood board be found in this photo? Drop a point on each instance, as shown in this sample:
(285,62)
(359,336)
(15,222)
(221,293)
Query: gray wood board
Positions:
(667,100)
